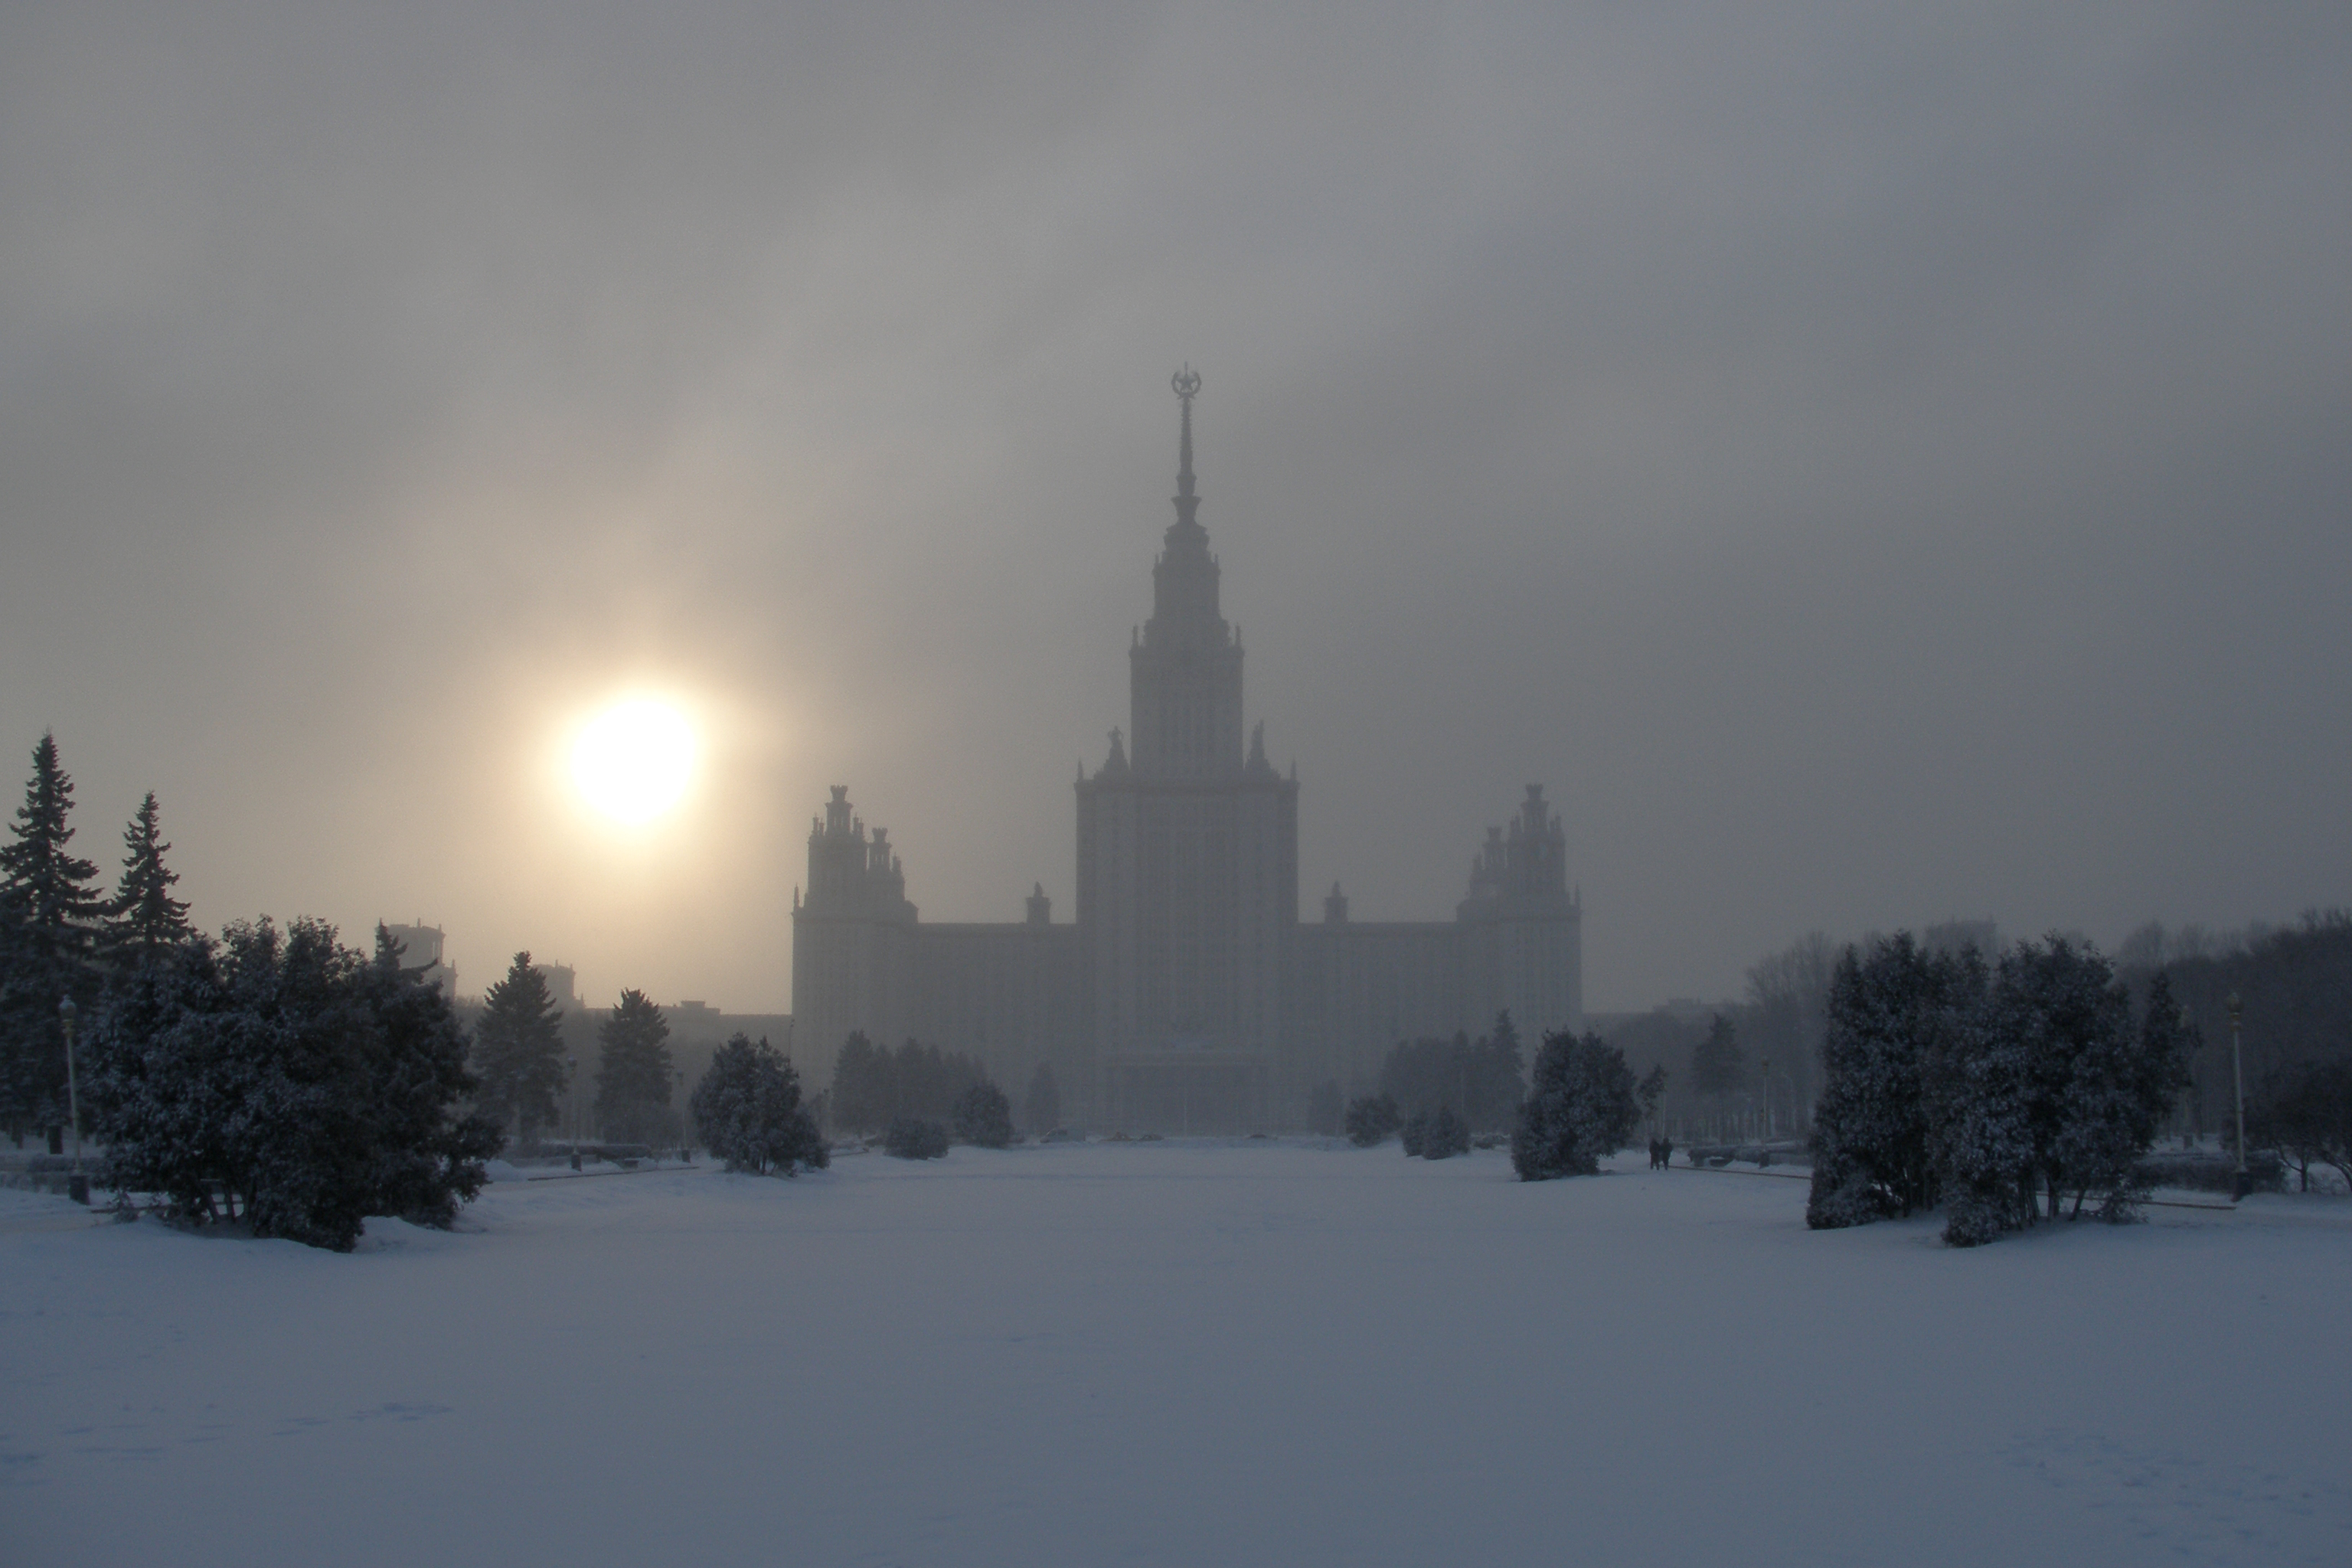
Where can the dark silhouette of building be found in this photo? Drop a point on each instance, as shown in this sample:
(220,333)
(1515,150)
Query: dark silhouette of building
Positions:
(1187,995)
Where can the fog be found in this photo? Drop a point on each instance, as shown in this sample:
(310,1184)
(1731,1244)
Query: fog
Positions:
(1873,464)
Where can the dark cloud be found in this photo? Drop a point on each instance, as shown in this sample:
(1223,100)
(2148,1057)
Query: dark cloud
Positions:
(1875,462)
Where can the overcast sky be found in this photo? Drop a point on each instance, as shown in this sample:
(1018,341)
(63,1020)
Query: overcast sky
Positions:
(1872,463)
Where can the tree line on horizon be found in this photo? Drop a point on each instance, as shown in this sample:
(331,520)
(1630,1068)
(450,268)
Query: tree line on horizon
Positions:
(2294,981)
(261,1026)
(919,1099)
(277,1079)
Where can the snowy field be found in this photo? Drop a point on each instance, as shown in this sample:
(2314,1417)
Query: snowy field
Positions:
(1178,1353)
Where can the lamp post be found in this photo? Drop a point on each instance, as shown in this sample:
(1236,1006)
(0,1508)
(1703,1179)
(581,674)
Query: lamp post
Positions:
(2241,1184)
(571,1069)
(77,1184)
(678,1075)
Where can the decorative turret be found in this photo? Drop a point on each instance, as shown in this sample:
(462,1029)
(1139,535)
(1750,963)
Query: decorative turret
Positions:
(1526,863)
(849,873)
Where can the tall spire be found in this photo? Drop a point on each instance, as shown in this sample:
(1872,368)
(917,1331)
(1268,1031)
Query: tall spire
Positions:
(1187,385)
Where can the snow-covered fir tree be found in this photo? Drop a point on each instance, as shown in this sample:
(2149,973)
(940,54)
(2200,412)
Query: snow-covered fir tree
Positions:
(747,1110)
(1581,1107)
(518,1051)
(1372,1119)
(984,1117)
(1441,1135)
(1870,1141)
(284,1081)
(50,913)
(144,918)
(633,1072)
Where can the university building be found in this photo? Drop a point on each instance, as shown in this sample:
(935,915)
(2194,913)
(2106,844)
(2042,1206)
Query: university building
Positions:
(1187,994)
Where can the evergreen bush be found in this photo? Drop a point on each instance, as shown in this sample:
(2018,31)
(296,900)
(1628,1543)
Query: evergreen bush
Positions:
(1371,1119)
(747,1110)
(519,1052)
(1444,1134)
(633,1073)
(1581,1107)
(288,1082)
(912,1138)
(984,1117)
(1870,1141)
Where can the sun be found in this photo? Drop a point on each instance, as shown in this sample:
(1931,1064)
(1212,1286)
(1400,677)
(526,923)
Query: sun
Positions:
(635,760)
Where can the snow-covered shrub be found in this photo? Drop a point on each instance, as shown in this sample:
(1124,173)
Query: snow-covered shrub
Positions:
(912,1138)
(290,1082)
(747,1110)
(984,1117)
(1856,1202)
(1871,1125)
(1371,1118)
(1444,1134)
(1985,1089)
(1581,1107)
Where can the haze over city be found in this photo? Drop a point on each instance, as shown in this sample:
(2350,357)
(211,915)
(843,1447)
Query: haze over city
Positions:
(1873,465)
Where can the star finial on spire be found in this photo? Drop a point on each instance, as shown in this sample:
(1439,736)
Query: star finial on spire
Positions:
(1186,383)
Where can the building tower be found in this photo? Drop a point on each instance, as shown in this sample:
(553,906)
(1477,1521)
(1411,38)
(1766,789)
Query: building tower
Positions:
(852,969)
(1187,860)
(1522,925)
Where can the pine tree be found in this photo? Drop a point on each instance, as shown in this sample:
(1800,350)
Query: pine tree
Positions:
(984,1117)
(1497,1079)
(2094,1090)
(1975,1078)
(519,1052)
(633,1072)
(144,918)
(864,1087)
(1871,1148)
(288,1082)
(1041,1106)
(49,916)
(930,1081)
(747,1110)
(1580,1108)
(2124,1086)
(1371,1118)
(429,1154)
(1444,1134)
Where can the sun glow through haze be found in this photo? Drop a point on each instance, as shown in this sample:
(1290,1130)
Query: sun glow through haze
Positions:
(635,760)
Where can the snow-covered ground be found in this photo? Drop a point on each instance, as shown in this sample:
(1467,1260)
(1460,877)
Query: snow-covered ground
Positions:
(1177,1353)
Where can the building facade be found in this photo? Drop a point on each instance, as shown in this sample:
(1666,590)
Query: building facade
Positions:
(1187,994)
